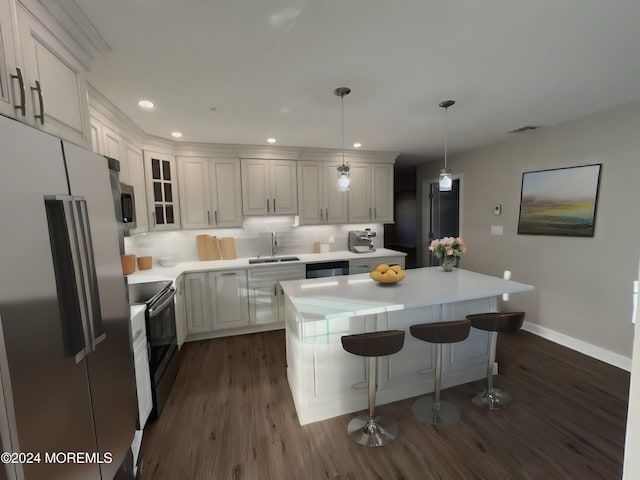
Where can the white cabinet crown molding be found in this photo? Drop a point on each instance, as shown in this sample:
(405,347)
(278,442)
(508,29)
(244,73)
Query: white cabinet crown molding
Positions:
(98,103)
(39,9)
(71,17)
(227,150)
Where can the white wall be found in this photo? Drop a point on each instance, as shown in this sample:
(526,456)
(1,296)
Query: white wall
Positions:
(252,240)
(583,285)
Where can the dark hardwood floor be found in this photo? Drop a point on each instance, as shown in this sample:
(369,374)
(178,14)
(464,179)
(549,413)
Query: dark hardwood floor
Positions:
(230,415)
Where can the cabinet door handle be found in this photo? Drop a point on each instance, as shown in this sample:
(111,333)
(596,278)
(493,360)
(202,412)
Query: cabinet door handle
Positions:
(326,215)
(375,212)
(209,217)
(215,216)
(267,205)
(274,205)
(370,216)
(38,89)
(23,101)
(321,213)
(228,274)
(275,290)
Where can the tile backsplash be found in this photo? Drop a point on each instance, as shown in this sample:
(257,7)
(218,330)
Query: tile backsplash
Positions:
(253,239)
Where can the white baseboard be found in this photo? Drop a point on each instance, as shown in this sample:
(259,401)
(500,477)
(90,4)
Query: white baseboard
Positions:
(578,345)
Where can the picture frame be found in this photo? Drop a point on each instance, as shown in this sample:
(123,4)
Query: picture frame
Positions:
(560,201)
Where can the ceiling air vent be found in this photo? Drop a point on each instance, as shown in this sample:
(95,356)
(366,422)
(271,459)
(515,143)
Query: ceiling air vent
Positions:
(524,129)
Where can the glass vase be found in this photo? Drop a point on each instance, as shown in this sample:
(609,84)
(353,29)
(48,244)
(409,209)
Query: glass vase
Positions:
(448,262)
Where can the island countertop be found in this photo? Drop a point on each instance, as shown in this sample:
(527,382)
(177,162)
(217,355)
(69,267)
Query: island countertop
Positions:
(353,295)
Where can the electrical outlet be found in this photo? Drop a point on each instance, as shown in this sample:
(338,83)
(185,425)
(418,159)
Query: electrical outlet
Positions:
(497,209)
(496,230)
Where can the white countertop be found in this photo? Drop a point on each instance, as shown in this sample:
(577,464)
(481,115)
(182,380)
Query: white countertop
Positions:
(326,298)
(171,273)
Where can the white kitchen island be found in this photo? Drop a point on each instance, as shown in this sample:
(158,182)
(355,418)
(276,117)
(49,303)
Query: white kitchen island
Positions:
(326,381)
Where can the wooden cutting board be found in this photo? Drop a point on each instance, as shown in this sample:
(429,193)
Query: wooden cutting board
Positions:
(208,247)
(201,240)
(212,248)
(228,248)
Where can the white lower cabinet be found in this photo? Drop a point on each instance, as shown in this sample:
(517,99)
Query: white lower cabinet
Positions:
(266,300)
(143,382)
(181,311)
(229,299)
(216,301)
(198,303)
(141,367)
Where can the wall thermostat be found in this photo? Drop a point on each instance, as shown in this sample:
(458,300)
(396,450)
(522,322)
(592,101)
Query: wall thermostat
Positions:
(497,209)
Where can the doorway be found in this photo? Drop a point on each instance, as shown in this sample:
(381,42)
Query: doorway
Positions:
(442,216)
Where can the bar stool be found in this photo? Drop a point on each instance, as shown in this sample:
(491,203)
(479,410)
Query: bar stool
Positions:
(368,429)
(494,322)
(430,408)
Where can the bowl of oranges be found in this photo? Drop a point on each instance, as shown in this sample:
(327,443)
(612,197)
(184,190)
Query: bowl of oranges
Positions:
(387,274)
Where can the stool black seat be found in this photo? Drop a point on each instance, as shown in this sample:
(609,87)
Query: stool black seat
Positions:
(494,322)
(368,429)
(430,408)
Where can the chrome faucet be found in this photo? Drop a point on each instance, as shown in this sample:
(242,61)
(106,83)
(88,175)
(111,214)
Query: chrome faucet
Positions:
(274,244)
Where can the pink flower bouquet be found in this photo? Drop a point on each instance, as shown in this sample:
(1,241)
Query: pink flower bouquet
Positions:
(449,249)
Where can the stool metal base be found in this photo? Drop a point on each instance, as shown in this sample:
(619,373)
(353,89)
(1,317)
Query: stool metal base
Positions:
(446,415)
(382,431)
(494,399)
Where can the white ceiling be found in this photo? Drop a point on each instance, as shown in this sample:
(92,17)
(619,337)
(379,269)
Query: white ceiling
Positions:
(269,67)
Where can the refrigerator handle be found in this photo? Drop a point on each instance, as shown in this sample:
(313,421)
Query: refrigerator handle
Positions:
(68,273)
(94,320)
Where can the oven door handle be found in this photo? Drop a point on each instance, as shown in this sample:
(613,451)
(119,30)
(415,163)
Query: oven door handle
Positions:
(163,302)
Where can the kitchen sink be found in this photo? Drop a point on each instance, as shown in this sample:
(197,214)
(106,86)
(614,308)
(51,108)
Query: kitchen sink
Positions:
(272,259)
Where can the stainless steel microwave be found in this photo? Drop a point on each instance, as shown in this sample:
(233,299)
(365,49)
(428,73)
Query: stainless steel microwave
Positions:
(128,203)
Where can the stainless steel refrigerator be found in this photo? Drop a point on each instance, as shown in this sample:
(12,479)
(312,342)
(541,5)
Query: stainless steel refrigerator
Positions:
(65,358)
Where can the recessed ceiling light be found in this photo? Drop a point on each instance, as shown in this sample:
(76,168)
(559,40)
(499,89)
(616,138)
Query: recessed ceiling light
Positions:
(271,140)
(146,104)
(357,145)
(176,134)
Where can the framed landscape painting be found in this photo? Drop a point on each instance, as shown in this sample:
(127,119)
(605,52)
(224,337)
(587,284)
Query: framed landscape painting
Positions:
(561,201)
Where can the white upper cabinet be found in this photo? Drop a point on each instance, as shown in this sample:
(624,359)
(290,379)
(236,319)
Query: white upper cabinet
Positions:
(371,193)
(193,183)
(106,141)
(209,192)
(360,207)
(54,82)
(225,188)
(135,178)
(318,199)
(12,97)
(382,198)
(162,194)
(269,187)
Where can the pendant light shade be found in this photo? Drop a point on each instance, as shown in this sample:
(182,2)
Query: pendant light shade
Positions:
(343,170)
(445,182)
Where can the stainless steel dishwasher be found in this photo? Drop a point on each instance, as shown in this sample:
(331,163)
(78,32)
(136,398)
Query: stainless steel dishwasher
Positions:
(327,269)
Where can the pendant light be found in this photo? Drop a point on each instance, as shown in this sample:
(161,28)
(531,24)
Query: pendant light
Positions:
(343,170)
(445,182)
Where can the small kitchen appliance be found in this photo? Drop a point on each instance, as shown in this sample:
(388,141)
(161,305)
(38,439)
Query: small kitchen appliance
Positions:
(361,241)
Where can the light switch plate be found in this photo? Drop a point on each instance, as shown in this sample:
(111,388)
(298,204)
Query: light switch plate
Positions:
(497,209)
(496,230)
